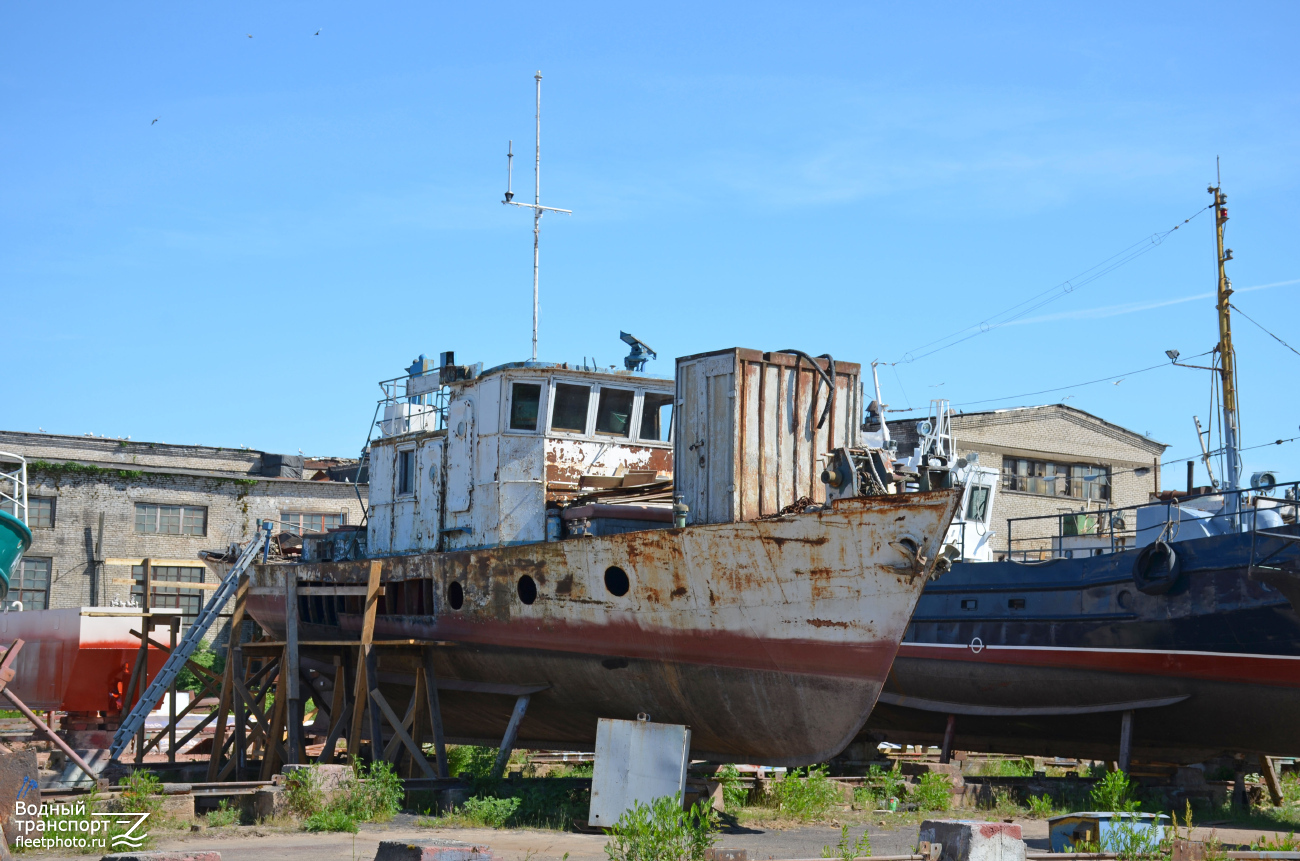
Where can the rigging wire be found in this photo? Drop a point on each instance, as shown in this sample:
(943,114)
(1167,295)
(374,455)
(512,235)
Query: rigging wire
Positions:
(1033,303)
(1266,331)
(1064,388)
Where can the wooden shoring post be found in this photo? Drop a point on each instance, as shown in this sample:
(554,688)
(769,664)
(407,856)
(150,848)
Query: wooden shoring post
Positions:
(1270,780)
(945,753)
(399,730)
(361,695)
(418,700)
(1125,740)
(376,718)
(392,750)
(338,703)
(227,677)
(435,710)
(291,666)
(146,623)
(508,741)
(174,627)
(279,712)
(241,714)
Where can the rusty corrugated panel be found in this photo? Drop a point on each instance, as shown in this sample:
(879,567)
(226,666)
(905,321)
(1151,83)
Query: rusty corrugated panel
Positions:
(747,442)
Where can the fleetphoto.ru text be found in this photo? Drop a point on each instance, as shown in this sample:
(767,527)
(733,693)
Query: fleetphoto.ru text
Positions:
(71,826)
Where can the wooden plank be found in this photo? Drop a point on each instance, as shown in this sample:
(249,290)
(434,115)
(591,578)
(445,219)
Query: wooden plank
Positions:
(227,677)
(435,710)
(275,754)
(336,591)
(1270,780)
(407,723)
(379,700)
(168,563)
(170,584)
(336,732)
(508,741)
(289,672)
(361,696)
(417,717)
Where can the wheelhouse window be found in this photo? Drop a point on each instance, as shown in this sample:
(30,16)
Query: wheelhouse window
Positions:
(188,601)
(32,585)
(977,506)
(406,471)
(307,523)
(656,417)
(525,398)
(171,519)
(614,412)
(1078,481)
(571,406)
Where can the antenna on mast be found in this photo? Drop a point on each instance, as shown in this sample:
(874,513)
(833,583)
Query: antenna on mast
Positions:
(536,205)
(510,172)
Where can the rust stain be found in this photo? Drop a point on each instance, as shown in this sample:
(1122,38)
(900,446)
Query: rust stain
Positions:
(564,585)
(678,592)
(827,623)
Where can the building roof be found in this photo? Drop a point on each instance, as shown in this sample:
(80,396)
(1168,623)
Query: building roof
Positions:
(904,430)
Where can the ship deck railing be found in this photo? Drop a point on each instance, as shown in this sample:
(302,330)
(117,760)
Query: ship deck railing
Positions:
(1098,531)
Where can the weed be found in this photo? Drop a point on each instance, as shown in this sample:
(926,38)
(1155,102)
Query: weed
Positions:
(881,785)
(332,818)
(223,815)
(302,793)
(1114,793)
(734,791)
(847,850)
(1006,768)
(1288,843)
(932,792)
(805,797)
(662,831)
(1290,786)
(188,680)
(470,759)
(489,812)
(78,818)
(379,798)
(1041,806)
(142,793)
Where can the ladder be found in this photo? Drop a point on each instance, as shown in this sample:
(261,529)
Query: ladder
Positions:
(176,660)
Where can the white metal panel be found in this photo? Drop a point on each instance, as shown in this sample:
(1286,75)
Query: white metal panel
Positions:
(429,479)
(636,761)
(487,397)
(460,454)
(379,525)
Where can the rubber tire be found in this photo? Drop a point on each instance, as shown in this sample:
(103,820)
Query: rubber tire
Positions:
(1157,569)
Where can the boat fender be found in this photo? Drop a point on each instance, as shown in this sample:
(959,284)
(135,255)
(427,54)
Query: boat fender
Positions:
(1157,569)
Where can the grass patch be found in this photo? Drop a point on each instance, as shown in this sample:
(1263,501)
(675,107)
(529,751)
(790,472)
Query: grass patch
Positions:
(806,796)
(370,795)
(662,831)
(932,792)
(224,815)
(1005,768)
(846,849)
(142,793)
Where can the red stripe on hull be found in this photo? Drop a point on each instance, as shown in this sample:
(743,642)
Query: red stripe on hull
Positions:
(1278,670)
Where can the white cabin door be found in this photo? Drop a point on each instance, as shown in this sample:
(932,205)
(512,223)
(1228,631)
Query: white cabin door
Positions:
(460,456)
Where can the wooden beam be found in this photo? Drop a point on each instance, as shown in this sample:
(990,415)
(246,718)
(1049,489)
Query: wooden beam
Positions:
(401,733)
(360,696)
(408,723)
(290,670)
(1270,780)
(336,591)
(435,710)
(508,741)
(227,679)
(1125,740)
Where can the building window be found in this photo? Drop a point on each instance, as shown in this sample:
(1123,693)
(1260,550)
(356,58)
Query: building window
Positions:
(1046,478)
(40,511)
(171,519)
(188,601)
(406,471)
(614,412)
(525,398)
(657,417)
(32,585)
(571,405)
(307,523)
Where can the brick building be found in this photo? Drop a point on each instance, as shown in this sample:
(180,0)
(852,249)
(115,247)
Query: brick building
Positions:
(97,507)
(1053,459)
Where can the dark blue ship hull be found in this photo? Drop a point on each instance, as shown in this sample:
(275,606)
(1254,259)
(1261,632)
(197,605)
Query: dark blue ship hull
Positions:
(1044,658)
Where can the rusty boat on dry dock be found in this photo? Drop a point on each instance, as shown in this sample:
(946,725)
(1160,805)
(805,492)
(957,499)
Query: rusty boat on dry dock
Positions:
(606,543)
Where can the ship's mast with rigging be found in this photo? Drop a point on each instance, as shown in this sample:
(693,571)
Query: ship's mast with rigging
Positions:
(1227,357)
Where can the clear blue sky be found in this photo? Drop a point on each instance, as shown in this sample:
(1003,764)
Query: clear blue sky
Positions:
(310,212)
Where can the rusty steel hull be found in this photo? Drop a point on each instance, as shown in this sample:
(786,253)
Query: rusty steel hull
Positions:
(770,638)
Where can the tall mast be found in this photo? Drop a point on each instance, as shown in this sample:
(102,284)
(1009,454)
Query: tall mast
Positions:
(536,205)
(1227,358)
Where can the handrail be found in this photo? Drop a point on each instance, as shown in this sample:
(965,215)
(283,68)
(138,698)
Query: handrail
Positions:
(1112,524)
(18,477)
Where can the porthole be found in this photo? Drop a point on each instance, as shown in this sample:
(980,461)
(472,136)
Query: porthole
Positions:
(527,589)
(616,581)
(455,595)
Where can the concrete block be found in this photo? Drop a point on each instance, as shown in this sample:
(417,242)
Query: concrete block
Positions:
(269,802)
(966,840)
(716,854)
(178,805)
(433,850)
(167,855)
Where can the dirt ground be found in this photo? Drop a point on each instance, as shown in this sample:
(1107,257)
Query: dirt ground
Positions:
(255,843)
